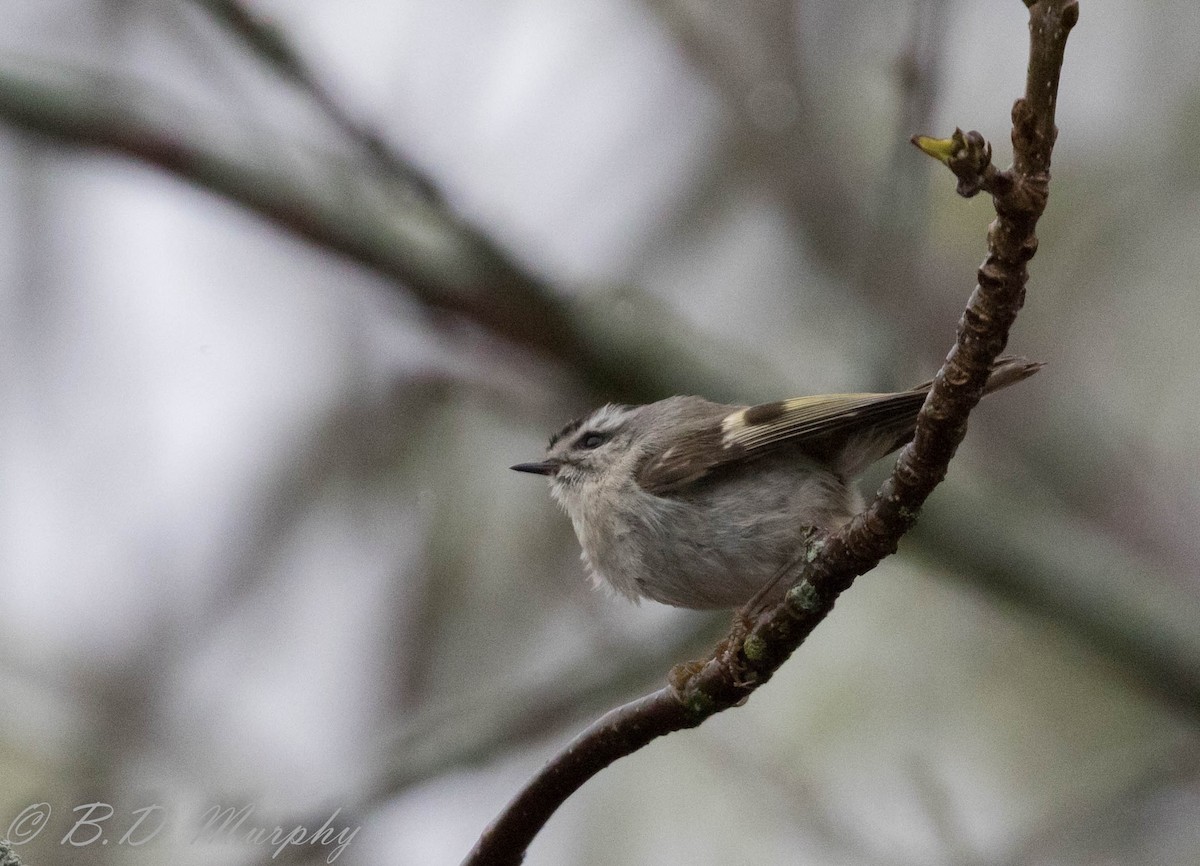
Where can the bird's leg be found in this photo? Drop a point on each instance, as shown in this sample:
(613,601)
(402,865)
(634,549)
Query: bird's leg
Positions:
(758,602)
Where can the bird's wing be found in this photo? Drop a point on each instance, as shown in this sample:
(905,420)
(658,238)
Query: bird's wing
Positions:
(819,426)
(814,420)
(846,431)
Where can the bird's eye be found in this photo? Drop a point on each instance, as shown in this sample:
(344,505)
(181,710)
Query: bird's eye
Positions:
(592,440)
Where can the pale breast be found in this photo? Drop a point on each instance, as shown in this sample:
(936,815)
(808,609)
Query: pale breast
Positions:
(714,545)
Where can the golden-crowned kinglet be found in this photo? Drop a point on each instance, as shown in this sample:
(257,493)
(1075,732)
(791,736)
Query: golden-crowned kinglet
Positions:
(702,505)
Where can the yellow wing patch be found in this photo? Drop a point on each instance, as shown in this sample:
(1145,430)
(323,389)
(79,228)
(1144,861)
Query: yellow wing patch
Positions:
(814,417)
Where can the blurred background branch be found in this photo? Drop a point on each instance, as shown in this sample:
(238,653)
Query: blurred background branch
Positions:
(272,45)
(450,268)
(529,212)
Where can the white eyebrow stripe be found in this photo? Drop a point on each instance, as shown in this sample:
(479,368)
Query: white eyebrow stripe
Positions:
(607,419)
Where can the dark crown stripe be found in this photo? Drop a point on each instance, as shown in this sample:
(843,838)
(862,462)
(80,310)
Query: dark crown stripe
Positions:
(566,431)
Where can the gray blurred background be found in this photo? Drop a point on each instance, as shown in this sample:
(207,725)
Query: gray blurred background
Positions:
(285,287)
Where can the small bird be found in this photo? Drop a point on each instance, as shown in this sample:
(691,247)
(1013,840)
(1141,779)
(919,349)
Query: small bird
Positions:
(703,505)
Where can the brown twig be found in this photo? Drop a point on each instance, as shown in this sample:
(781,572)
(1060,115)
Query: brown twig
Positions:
(748,657)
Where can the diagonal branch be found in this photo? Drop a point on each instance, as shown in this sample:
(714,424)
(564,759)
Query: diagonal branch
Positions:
(274,48)
(447,265)
(749,656)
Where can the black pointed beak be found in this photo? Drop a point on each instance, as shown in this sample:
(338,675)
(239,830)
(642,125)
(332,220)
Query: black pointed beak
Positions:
(545,467)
